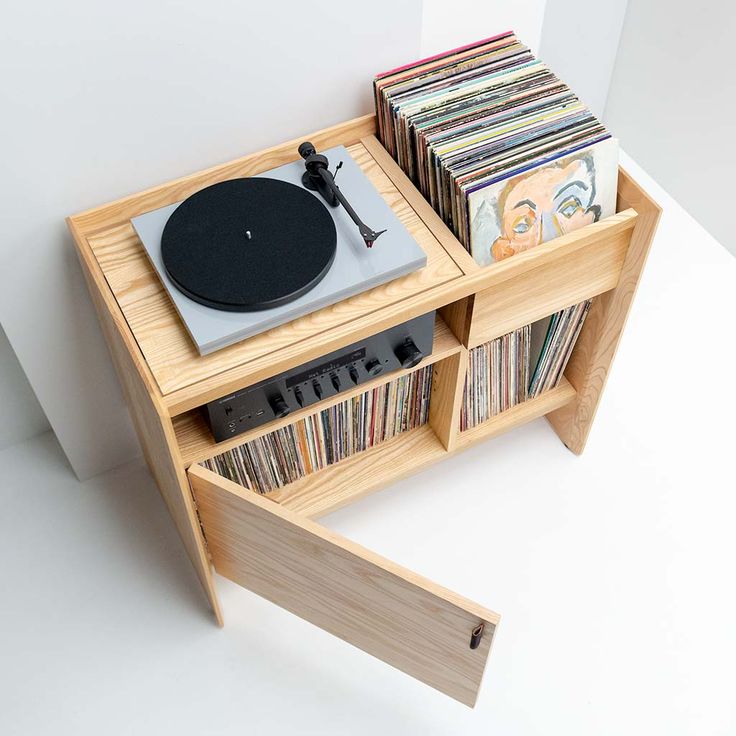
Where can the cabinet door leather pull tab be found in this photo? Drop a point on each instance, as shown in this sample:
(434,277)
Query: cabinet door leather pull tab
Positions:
(476,635)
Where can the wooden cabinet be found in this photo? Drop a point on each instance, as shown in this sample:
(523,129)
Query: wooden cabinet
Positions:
(270,543)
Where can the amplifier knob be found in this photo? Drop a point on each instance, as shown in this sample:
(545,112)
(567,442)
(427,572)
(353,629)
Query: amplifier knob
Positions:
(317,389)
(373,367)
(279,406)
(408,353)
(299,396)
(335,381)
(353,374)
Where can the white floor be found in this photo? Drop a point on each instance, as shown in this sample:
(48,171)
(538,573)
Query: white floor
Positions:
(613,571)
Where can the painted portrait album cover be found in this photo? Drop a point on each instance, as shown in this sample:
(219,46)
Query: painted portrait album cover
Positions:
(517,213)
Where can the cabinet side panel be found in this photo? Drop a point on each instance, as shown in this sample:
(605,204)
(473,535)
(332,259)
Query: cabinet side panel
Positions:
(155,432)
(596,347)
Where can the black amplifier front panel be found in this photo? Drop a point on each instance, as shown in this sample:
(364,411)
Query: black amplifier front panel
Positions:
(319,379)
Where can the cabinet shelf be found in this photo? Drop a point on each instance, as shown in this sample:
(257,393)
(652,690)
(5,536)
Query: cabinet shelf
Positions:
(340,484)
(365,472)
(196,442)
(554,398)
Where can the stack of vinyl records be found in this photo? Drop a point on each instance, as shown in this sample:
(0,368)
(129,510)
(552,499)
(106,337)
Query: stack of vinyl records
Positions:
(557,335)
(333,434)
(504,151)
(497,377)
(520,365)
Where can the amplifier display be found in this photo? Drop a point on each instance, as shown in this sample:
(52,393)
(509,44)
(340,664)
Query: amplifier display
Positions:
(403,346)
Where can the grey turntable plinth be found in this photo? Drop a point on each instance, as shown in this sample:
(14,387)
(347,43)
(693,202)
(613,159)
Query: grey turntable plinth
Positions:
(354,270)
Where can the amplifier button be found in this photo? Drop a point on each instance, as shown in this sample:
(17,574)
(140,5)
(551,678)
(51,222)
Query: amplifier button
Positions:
(373,367)
(279,406)
(408,353)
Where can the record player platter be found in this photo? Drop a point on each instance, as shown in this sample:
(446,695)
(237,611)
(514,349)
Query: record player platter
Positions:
(248,244)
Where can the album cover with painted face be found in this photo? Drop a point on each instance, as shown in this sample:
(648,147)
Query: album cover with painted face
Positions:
(519,212)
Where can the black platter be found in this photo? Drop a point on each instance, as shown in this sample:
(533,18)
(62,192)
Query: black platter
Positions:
(248,244)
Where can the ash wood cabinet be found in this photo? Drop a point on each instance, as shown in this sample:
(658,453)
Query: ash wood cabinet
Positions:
(271,544)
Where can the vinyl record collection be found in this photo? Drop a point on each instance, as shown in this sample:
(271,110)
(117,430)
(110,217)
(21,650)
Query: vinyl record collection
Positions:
(497,378)
(519,365)
(504,151)
(333,434)
(559,334)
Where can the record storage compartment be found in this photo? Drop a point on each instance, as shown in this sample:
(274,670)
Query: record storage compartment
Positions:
(270,544)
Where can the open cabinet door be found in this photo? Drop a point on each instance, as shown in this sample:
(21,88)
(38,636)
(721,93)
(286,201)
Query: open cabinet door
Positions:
(407,621)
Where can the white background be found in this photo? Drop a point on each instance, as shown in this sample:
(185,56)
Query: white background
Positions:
(22,416)
(672,102)
(446,25)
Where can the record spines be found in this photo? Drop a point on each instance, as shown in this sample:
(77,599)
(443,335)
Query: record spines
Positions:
(283,456)
(562,334)
(496,378)
(500,373)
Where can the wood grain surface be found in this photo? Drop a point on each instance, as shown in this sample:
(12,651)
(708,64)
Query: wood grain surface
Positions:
(378,606)
(596,347)
(585,268)
(447,394)
(187,379)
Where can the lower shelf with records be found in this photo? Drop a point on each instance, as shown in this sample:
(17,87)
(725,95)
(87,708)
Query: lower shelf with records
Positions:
(519,366)
(322,439)
(326,459)
(341,483)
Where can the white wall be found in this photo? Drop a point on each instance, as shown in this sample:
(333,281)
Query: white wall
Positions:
(579,42)
(446,25)
(21,415)
(104,99)
(577,39)
(672,103)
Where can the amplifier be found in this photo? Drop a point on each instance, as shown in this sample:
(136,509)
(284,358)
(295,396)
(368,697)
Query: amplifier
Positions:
(398,347)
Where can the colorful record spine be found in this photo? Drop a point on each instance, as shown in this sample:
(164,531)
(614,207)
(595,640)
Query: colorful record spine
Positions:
(497,377)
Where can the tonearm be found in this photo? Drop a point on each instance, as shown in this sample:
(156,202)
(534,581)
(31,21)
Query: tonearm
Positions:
(318,178)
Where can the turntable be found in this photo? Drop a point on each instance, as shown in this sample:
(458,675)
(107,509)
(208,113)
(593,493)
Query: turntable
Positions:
(246,255)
